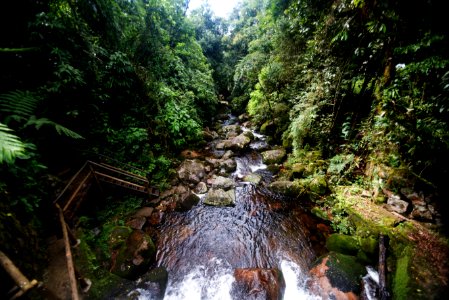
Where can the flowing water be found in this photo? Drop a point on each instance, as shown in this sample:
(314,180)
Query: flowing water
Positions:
(202,247)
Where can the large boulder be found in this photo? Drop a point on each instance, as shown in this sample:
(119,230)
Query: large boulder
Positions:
(133,258)
(231,130)
(220,182)
(288,188)
(395,204)
(154,283)
(258,283)
(252,178)
(187,202)
(239,142)
(342,243)
(220,197)
(191,171)
(275,156)
(337,276)
(318,185)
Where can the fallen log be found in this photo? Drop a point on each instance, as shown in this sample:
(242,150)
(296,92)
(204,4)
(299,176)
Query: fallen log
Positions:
(22,282)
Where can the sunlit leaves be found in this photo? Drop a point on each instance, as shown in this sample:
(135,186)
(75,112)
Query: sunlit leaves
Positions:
(11,146)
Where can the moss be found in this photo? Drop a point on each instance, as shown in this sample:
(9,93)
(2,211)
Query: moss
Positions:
(318,185)
(90,267)
(401,279)
(341,243)
(344,272)
(318,212)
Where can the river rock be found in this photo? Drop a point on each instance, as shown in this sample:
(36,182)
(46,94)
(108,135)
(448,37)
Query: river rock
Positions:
(337,276)
(154,283)
(394,203)
(253,178)
(231,129)
(133,257)
(275,156)
(201,188)
(210,135)
(118,236)
(421,213)
(220,197)
(136,222)
(229,165)
(144,212)
(191,171)
(186,203)
(228,154)
(249,135)
(288,188)
(258,283)
(239,142)
(220,182)
(190,154)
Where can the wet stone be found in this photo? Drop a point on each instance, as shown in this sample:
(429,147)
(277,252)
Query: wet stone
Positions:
(200,188)
(144,212)
(221,182)
(220,197)
(137,222)
(258,283)
(394,203)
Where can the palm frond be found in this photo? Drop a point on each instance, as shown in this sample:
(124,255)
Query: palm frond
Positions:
(61,130)
(11,147)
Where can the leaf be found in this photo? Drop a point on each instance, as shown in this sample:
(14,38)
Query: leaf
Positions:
(61,130)
(11,146)
(18,104)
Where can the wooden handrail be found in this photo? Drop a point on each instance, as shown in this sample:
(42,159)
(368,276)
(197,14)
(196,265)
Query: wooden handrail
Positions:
(120,171)
(71,181)
(68,255)
(136,186)
(76,191)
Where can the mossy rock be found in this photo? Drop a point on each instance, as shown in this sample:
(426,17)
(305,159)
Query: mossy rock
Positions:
(318,185)
(154,282)
(253,178)
(401,280)
(134,257)
(369,245)
(344,272)
(341,243)
(275,156)
(318,212)
(297,170)
(118,236)
(268,128)
(288,188)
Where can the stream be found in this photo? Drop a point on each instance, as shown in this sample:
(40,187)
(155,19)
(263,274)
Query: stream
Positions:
(202,247)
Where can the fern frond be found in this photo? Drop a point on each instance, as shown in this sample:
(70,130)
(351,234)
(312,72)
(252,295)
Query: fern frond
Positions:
(11,146)
(61,130)
(19,103)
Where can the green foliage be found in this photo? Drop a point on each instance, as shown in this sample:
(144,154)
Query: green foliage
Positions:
(339,163)
(177,120)
(20,107)
(11,146)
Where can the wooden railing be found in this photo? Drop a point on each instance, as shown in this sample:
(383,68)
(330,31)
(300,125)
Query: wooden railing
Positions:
(73,194)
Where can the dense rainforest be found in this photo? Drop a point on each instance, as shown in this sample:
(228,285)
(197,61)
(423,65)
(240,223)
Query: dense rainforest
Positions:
(355,91)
